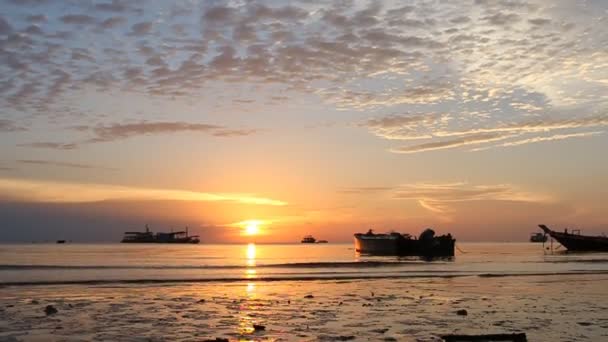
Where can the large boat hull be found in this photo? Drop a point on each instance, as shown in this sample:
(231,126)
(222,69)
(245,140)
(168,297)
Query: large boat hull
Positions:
(397,244)
(579,243)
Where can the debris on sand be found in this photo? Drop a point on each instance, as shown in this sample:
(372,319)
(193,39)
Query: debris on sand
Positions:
(309,296)
(462,312)
(380,331)
(50,310)
(259,327)
(516,337)
(217,339)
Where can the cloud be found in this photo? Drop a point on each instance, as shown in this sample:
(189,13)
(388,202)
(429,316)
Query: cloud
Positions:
(5,27)
(141,29)
(437,197)
(113,22)
(78,19)
(502,19)
(364,190)
(539,125)
(117,131)
(9,126)
(63,164)
(56,192)
(407,126)
(472,139)
(50,145)
(508,61)
(542,139)
(114,6)
(434,126)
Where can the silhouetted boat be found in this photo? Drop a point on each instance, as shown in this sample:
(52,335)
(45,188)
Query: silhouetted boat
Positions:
(322,241)
(60,241)
(427,244)
(150,237)
(538,237)
(574,241)
(308,239)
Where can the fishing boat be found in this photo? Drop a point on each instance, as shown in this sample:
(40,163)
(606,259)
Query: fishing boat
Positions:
(427,244)
(574,241)
(150,237)
(538,237)
(308,239)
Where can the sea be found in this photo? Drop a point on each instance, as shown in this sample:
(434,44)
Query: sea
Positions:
(75,263)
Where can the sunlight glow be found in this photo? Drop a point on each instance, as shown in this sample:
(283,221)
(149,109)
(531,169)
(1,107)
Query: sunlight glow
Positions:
(252,227)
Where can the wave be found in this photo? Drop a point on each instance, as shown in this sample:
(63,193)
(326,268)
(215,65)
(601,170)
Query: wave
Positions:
(356,264)
(333,277)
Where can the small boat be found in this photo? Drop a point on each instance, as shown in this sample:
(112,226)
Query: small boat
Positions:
(538,237)
(61,241)
(574,241)
(150,237)
(308,239)
(427,244)
(322,241)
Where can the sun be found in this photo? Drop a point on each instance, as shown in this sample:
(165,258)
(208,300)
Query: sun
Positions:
(252,227)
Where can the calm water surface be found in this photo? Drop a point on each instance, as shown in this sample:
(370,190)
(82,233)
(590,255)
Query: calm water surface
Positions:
(82,263)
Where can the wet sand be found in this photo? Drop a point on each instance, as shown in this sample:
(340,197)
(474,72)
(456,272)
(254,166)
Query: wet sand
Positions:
(546,308)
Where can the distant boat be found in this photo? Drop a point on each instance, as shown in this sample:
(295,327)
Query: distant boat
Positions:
(61,241)
(308,239)
(427,244)
(574,241)
(538,237)
(150,237)
(322,241)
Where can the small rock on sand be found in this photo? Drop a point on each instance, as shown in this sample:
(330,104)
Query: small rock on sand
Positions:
(50,310)
(380,331)
(259,327)
(462,312)
(309,296)
(217,339)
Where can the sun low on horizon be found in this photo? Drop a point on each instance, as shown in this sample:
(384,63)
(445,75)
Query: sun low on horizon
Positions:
(251,227)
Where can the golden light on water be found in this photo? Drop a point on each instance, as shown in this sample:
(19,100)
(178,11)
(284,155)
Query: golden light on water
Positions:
(251,254)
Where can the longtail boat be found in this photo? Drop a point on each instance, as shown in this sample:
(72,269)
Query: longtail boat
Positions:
(574,241)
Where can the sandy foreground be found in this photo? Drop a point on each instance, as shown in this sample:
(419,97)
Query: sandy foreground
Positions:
(546,308)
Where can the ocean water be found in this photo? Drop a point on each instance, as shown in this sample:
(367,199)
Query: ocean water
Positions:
(30,264)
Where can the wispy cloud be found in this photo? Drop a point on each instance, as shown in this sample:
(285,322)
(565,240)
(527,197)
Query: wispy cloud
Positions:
(9,126)
(541,139)
(437,197)
(119,131)
(63,164)
(473,139)
(48,191)
(50,145)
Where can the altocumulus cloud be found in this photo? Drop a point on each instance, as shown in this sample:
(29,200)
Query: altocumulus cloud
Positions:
(492,62)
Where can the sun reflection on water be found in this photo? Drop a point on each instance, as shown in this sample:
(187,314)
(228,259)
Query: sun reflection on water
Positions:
(251,255)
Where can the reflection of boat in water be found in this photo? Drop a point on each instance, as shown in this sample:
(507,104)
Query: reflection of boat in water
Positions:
(308,239)
(574,241)
(427,244)
(150,237)
(538,237)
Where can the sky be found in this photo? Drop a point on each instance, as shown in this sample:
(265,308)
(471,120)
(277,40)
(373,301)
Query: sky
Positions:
(479,118)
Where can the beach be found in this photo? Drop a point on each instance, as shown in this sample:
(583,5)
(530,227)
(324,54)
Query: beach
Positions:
(548,297)
(546,308)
